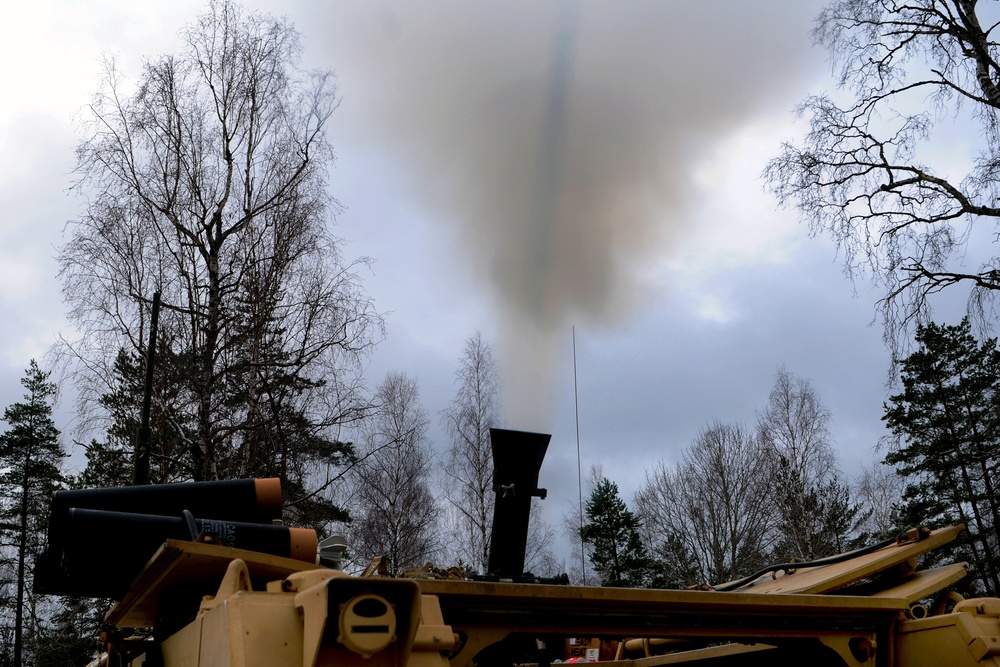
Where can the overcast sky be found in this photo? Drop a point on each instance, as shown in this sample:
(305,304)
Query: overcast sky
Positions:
(518,168)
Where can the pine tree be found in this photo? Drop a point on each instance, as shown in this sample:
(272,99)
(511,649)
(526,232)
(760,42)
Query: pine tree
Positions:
(813,520)
(72,638)
(674,566)
(110,461)
(612,530)
(279,437)
(30,456)
(946,442)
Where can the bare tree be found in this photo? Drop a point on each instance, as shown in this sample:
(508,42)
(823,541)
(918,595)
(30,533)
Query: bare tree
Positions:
(865,173)
(395,514)
(814,509)
(880,490)
(469,468)
(207,181)
(795,425)
(539,558)
(712,511)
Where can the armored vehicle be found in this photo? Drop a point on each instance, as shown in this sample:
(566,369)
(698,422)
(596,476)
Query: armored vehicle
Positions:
(197,589)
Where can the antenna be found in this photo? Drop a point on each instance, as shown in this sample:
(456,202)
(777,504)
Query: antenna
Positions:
(579,473)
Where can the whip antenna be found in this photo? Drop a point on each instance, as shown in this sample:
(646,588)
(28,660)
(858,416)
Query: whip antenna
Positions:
(579,473)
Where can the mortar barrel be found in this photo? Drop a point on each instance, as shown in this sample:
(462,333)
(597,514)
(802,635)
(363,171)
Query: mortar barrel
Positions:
(517,459)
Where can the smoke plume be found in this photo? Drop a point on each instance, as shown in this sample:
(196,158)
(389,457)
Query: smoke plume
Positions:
(557,139)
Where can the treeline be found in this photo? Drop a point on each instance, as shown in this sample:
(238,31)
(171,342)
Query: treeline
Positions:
(393,493)
(741,497)
(738,498)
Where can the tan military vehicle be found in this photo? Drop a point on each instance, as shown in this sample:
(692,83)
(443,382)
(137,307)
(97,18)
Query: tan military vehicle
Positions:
(236,591)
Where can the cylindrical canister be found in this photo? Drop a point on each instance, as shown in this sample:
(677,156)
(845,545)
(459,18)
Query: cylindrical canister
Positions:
(85,566)
(246,500)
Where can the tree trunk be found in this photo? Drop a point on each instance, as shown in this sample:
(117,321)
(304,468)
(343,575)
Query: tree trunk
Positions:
(22,551)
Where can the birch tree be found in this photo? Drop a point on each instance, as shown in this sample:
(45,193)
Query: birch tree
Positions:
(815,513)
(900,165)
(712,512)
(469,466)
(395,513)
(205,179)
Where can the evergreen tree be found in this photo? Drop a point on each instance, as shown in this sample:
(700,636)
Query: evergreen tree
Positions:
(71,639)
(612,530)
(674,566)
(945,440)
(30,456)
(110,461)
(279,438)
(821,516)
